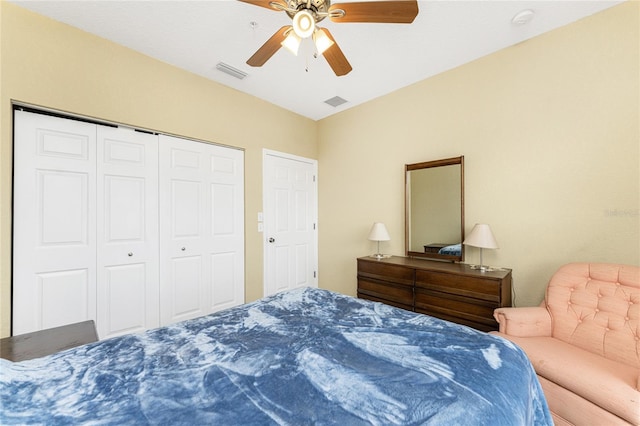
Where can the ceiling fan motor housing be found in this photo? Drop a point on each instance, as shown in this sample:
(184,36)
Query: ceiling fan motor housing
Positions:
(318,8)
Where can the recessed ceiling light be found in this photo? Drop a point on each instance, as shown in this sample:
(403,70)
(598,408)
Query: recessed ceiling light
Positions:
(523,17)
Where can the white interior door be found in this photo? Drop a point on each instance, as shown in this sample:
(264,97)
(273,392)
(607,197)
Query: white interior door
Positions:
(127,223)
(202,227)
(54,229)
(290,222)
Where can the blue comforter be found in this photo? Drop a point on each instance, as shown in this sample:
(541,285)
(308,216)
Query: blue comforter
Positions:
(302,357)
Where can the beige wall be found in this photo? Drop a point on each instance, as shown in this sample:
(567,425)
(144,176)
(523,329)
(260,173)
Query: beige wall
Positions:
(550,133)
(50,64)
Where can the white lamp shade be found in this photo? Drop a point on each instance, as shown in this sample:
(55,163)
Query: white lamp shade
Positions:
(481,236)
(304,23)
(292,43)
(322,40)
(379,232)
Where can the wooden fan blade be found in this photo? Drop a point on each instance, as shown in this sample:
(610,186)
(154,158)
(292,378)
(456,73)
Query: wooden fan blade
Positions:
(336,59)
(269,48)
(390,11)
(264,3)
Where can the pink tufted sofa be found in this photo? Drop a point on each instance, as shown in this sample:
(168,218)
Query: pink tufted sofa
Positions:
(584,343)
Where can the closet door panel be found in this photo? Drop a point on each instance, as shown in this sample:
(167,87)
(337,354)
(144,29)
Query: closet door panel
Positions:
(201,223)
(227,227)
(62,214)
(224,255)
(54,236)
(123,306)
(63,297)
(184,268)
(223,272)
(186,201)
(127,219)
(186,278)
(187,285)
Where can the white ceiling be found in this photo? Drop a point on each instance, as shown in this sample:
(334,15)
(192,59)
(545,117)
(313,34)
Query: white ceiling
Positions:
(196,35)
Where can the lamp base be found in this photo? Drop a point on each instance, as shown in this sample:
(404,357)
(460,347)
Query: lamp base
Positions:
(485,268)
(482,268)
(380,256)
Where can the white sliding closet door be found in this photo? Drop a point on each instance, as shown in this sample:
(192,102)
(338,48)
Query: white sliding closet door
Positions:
(202,228)
(54,241)
(129,229)
(127,238)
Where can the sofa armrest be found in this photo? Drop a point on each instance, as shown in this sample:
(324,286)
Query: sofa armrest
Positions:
(524,322)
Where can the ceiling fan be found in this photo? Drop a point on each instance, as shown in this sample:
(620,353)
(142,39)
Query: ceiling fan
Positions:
(305,15)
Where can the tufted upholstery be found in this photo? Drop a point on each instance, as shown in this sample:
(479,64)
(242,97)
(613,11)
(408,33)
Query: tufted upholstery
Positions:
(596,307)
(584,342)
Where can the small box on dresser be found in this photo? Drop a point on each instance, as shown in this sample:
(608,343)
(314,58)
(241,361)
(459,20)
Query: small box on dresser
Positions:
(451,291)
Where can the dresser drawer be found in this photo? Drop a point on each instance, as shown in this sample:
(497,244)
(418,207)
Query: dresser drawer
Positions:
(471,309)
(482,324)
(385,272)
(385,291)
(468,286)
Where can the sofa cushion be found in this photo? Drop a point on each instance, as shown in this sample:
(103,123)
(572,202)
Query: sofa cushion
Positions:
(596,306)
(609,384)
(569,409)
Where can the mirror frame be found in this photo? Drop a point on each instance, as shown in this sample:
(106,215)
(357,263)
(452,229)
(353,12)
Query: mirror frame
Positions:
(428,165)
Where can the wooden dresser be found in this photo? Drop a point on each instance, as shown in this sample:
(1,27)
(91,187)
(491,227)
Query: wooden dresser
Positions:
(451,291)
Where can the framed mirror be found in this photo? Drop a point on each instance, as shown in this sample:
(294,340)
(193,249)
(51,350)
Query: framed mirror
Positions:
(434,209)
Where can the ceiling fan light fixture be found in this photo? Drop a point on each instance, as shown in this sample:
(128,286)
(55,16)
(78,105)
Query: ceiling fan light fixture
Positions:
(322,41)
(292,42)
(306,14)
(304,23)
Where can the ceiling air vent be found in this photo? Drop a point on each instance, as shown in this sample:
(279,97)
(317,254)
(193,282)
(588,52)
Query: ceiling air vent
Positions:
(335,101)
(228,69)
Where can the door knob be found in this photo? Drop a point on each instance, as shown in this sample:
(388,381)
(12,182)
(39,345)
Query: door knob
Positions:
(130,254)
(183,248)
(272,240)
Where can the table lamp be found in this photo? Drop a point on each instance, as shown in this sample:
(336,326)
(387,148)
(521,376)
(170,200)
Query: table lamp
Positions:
(379,233)
(482,237)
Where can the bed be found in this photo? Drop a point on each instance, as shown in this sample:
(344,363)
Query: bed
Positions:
(301,357)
